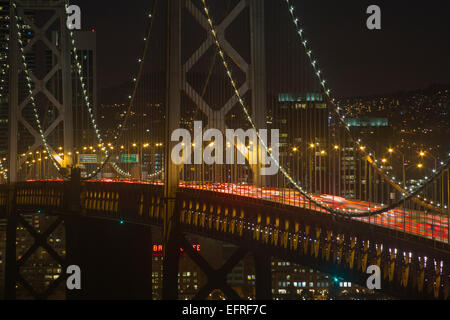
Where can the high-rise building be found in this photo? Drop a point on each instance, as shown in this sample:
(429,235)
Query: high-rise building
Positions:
(5,36)
(302,119)
(354,171)
(86,42)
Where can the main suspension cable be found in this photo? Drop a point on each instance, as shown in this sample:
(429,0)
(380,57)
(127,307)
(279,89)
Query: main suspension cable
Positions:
(318,203)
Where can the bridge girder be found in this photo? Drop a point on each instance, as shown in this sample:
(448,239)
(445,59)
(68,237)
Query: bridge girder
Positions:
(326,243)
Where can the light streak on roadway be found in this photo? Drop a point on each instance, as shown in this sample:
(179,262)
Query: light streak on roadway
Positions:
(415,222)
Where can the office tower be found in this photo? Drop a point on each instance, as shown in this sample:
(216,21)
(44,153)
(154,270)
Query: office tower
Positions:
(354,171)
(302,119)
(86,42)
(86,45)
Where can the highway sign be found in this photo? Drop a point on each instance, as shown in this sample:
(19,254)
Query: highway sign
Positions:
(87,158)
(130,158)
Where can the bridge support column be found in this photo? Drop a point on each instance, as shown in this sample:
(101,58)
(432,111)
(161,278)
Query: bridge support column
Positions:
(171,230)
(13,59)
(171,264)
(115,259)
(10,257)
(263,273)
(258,76)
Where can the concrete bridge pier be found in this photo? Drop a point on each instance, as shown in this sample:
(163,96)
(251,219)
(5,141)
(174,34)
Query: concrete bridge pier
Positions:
(115,259)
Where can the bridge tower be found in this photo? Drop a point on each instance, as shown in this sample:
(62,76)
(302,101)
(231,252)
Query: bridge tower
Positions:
(254,70)
(51,36)
(255,73)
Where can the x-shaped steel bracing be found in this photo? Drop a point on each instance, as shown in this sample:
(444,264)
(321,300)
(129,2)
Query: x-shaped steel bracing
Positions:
(40,85)
(217,279)
(40,241)
(218,116)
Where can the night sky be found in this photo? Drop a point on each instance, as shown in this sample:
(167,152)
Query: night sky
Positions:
(411,51)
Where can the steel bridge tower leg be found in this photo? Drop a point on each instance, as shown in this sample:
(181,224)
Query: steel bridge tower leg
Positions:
(10,256)
(60,72)
(171,173)
(14,57)
(11,226)
(258,74)
(263,273)
(66,62)
(115,259)
(254,70)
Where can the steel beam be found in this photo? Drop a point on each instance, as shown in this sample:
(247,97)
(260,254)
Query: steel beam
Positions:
(263,273)
(115,259)
(217,279)
(61,62)
(66,61)
(13,57)
(255,70)
(258,76)
(10,256)
(171,171)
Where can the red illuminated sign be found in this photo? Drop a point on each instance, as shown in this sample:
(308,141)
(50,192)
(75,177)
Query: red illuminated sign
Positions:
(158,248)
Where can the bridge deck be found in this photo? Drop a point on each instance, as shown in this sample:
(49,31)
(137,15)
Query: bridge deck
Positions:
(419,223)
(278,222)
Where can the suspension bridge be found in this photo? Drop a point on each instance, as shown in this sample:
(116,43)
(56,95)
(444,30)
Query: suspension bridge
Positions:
(335,203)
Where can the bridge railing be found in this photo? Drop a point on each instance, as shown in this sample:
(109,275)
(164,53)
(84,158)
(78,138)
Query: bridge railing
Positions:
(35,196)
(116,201)
(122,201)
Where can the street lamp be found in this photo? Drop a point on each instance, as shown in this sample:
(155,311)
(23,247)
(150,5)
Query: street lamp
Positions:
(424,154)
(391,151)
